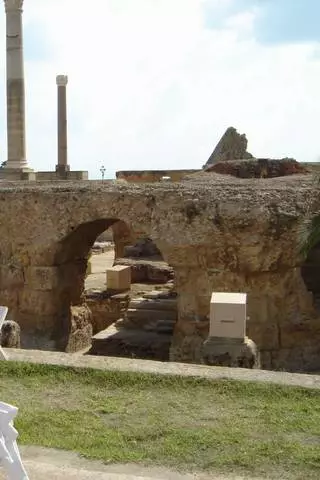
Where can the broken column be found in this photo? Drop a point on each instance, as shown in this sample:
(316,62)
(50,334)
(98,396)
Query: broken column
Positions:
(62,168)
(16,165)
(227,344)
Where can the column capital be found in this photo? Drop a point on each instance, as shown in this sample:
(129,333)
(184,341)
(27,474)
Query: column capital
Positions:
(13,5)
(62,80)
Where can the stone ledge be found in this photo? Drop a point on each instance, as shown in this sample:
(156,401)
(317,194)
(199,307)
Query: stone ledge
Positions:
(163,368)
(16,174)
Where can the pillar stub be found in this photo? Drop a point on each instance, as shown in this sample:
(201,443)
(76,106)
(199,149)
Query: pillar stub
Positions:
(62,80)
(13,5)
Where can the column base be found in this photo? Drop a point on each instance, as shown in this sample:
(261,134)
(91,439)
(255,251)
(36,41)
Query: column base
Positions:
(62,171)
(57,176)
(16,174)
(231,352)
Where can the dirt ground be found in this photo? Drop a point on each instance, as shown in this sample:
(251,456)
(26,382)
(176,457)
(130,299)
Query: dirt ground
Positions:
(42,463)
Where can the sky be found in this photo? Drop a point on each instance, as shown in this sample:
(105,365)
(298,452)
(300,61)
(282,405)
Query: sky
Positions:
(153,84)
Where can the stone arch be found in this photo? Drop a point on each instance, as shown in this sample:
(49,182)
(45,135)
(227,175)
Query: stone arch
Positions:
(123,236)
(74,326)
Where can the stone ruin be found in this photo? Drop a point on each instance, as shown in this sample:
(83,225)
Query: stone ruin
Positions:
(258,168)
(216,235)
(135,317)
(230,157)
(231,146)
(10,335)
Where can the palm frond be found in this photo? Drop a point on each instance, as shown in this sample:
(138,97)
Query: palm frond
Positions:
(309,234)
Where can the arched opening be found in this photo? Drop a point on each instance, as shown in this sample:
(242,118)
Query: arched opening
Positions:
(134,319)
(310,271)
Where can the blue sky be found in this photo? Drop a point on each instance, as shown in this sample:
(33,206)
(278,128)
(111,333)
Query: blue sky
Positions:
(154,84)
(277,21)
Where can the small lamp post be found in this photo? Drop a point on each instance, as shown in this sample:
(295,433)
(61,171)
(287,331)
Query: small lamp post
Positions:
(103,171)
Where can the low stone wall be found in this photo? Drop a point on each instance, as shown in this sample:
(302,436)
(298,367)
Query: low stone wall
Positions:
(258,168)
(54,177)
(105,308)
(150,176)
(219,234)
(147,271)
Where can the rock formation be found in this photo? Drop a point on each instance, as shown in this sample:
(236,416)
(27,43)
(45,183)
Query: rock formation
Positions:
(232,146)
(258,168)
(10,335)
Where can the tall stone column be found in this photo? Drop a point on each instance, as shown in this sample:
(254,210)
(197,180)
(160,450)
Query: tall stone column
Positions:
(62,168)
(15,88)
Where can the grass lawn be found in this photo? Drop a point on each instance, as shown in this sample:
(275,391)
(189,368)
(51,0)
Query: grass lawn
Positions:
(219,426)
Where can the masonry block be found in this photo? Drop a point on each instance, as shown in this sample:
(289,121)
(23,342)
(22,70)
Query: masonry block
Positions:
(42,278)
(119,278)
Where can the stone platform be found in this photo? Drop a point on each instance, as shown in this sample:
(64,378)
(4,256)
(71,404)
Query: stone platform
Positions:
(14,174)
(78,360)
(145,332)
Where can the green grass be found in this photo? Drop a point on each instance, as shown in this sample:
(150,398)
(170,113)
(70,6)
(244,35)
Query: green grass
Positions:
(220,426)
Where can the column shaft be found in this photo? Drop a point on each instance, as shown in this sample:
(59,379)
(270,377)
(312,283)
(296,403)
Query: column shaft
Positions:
(15,89)
(62,166)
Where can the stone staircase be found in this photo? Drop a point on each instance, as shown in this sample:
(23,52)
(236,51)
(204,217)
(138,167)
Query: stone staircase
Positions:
(144,332)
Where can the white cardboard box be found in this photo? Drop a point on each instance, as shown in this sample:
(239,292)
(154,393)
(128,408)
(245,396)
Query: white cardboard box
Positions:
(228,315)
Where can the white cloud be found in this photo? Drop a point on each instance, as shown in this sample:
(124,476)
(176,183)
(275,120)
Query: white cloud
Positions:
(150,87)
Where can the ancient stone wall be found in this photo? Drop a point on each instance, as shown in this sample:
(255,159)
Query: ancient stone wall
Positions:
(218,233)
(231,146)
(151,176)
(258,168)
(106,309)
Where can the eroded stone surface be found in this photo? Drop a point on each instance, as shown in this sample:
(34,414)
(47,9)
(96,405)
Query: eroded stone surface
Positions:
(10,334)
(258,168)
(231,146)
(218,233)
(230,353)
(146,271)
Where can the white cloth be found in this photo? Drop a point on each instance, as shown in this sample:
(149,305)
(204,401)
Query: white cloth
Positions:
(9,453)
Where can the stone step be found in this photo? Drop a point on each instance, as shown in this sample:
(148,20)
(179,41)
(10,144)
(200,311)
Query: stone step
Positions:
(144,314)
(127,343)
(160,295)
(162,326)
(154,304)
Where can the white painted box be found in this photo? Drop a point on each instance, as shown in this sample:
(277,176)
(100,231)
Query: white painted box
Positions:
(228,313)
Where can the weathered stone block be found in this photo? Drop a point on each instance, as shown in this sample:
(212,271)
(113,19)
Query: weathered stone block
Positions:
(231,146)
(11,276)
(119,278)
(227,352)
(10,335)
(38,302)
(303,333)
(265,335)
(42,278)
(146,271)
(106,309)
(258,168)
(36,325)
(10,298)
(79,336)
